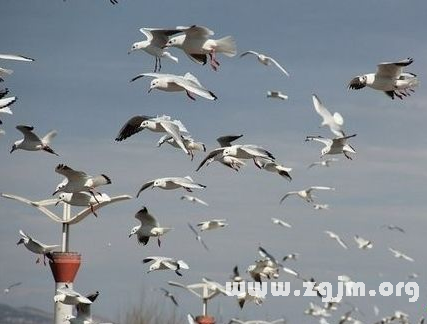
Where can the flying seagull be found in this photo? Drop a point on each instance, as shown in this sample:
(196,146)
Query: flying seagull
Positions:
(198,237)
(195,42)
(334,122)
(400,255)
(266,60)
(31,142)
(164,263)
(276,95)
(363,243)
(280,222)
(149,227)
(324,163)
(9,288)
(392,227)
(305,194)
(337,145)
(389,78)
(154,44)
(212,224)
(35,246)
(175,83)
(169,295)
(273,166)
(336,237)
(163,124)
(190,144)
(170,183)
(194,199)
(217,154)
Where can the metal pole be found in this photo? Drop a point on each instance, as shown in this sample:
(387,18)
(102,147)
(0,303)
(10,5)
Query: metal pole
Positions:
(66,214)
(205,307)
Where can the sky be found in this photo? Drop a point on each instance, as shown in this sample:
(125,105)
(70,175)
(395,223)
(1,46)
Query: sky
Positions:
(79,85)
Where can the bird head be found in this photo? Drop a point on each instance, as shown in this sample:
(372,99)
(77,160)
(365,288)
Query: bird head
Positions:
(21,241)
(134,230)
(154,84)
(136,46)
(324,151)
(175,41)
(14,148)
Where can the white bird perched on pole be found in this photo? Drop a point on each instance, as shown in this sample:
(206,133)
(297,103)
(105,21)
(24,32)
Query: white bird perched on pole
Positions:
(170,183)
(78,181)
(69,296)
(334,122)
(154,44)
(212,224)
(195,42)
(305,194)
(175,83)
(149,227)
(389,78)
(31,142)
(266,60)
(35,246)
(337,145)
(84,199)
(164,263)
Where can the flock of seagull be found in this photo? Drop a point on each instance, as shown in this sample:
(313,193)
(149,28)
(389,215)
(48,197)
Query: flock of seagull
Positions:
(80,189)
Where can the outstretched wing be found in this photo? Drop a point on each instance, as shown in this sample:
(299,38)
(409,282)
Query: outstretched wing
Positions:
(145,186)
(15,57)
(173,130)
(69,173)
(194,87)
(131,127)
(225,141)
(146,218)
(249,52)
(211,155)
(392,69)
(279,66)
(28,133)
(195,31)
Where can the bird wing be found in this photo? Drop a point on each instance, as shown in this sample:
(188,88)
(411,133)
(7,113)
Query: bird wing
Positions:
(341,242)
(195,31)
(158,36)
(392,69)
(194,87)
(257,151)
(69,173)
(100,180)
(28,133)
(249,52)
(5,102)
(326,141)
(15,57)
(287,195)
(14,285)
(184,182)
(131,127)
(153,75)
(320,108)
(173,130)
(225,141)
(48,137)
(279,66)
(146,218)
(193,229)
(201,201)
(145,186)
(4,92)
(319,188)
(210,155)
(263,253)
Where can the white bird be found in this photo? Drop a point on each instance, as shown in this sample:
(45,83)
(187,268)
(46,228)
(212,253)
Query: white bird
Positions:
(191,319)
(149,227)
(334,146)
(14,57)
(195,42)
(5,104)
(163,124)
(170,183)
(247,151)
(83,310)
(336,237)
(235,320)
(255,297)
(320,206)
(194,199)
(31,142)
(164,263)
(291,256)
(190,144)
(277,95)
(266,60)
(9,288)
(69,296)
(400,255)
(273,166)
(292,272)
(362,243)
(280,222)
(35,246)
(235,277)
(392,227)
(175,83)
(305,194)
(154,44)
(217,154)
(324,163)
(198,237)
(78,181)
(83,199)
(389,78)
(316,311)
(334,122)
(212,224)
(169,295)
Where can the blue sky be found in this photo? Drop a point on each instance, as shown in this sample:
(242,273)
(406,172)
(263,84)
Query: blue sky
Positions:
(79,85)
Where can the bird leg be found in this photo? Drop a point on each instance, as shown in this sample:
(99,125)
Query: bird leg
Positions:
(93,211)
(256,164)
(347,156)
(188,189)
(93,195)
(155,65)
(38,260)
(44,259)
(189,95)
(191,154)
(158,240)
(160,65)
